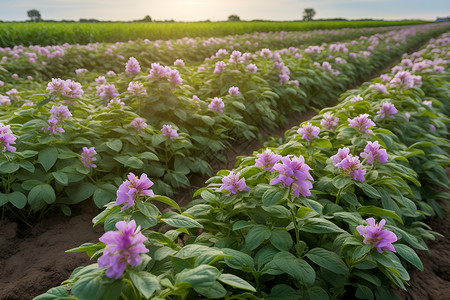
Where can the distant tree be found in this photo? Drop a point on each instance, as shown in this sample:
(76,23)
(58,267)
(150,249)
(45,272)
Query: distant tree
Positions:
(309,14)
(233,18)
(147,18)
(34,15)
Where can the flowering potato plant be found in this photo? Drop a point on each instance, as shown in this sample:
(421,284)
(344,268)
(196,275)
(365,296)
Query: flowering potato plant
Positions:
(333,211)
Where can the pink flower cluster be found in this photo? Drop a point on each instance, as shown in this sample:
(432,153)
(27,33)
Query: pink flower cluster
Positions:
(7,138)
(5,100)
(234,91)
(329,121)
(380,87)
(349,164)
(293,172)
(107,91)
(309,132)
(60,113)
(132,188)
(387,110)
(373,153)
(172,75)
(402,79)
(115,103)
(233,184)
(132,66)
(374,234)
(267,160)
(362,123)
(357,98)
(216,104)
(87,157)
(122,247)
(219,67)
(169,132)
(139,124)
(137,89)
(66,88)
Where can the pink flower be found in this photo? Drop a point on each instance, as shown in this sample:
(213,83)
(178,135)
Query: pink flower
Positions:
(403,79)
(173,76)
(329,121)
(385,77)
(220,67)
(233,184)
(122,247)
(179,62)
(139,124)
(407,115)
(381,239)
(294,172)
(362,123)
(100,80)
(5,100)
(60,113)
(432,127)
(355,99)
(428,103)
(308,131)
(86,157)
(252,68)
(52,129)
(381,88)
(132,188)
(115,103)
(387,110)
(216,104)
(373,153)
(342,153)
(107,91)
(132,66)
(79,71)
(169,132)
(74,89)
(7,138)
(137,89)
(157,71)
(234,91)
(267,160)
(351,166)
(57,87)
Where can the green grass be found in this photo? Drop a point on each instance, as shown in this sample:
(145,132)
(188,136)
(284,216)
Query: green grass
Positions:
(58,33)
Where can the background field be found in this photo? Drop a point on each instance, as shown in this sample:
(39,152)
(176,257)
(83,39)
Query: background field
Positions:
(43,33)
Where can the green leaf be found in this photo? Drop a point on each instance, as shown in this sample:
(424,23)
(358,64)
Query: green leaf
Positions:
(323,143)
(115,145)
(208,120)
(176,220)
(167,201)
(145,282)
(238,259)
(236,282)
(364,292)
(296,267)
(378,212)
(148,209)
(113,290)
(360,251)
(201,276)
(56,293)
(3,199)
(367,276)
(148,156)
(41,194)
(369,190)
(281,239)
(317,293)
(17,199)
(61,177)
(328,260)
(134,162)
(319,225)
(102,197)
(214,291)
(27,166)
(48,157)
(409,255)
(341,181)
(271,197)
(283,292)
(256,235)
(80,192)
(89,287)
(8,167)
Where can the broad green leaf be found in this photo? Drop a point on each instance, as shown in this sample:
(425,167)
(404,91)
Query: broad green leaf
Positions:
(283,292)
(167,201)
(61,177)
(256,235)
(41,194)
(238,260)
(145,282)
(317,293)
(319,225)
(214,291)
(281,239)
(236,282)
(296,267)
(177,220)
(80,192)
(201,276)
(56,293)
(369,190)
(341,181)
(17,199)
(47,157)
(328,260)
(89,287)
(115,145)
(378,212)
(8,167)
(271,197)
(409,255)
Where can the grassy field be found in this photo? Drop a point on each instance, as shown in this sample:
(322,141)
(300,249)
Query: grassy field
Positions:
(43,33)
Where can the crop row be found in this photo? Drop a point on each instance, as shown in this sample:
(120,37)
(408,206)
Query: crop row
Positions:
(74,144)
(12,34)
(288,222)
(62,61)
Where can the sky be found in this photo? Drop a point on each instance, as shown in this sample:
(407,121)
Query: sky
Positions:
(219,10)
